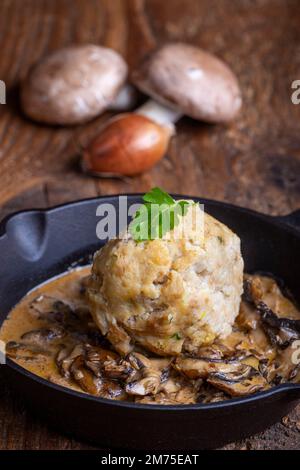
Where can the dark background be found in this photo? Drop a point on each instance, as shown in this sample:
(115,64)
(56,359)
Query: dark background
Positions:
(254,162)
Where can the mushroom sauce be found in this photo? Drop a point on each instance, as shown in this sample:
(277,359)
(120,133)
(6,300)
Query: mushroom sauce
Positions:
(51,333)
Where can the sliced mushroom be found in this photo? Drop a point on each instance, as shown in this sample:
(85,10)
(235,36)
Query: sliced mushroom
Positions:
(209,394)
(77,321)
(239,384)
(96,358)
(216,398)
(148,385)
(211,352)
(251,360)
(273,373)
(281,331)
(180,390)
(113,390)
(233,344)
(84,364)
(136,361)
(152,374)
(101,355)
(85,378)
(151,363)
(66,356)
(172,385)
(202,368)
(41,341)
(158,399)
(265,289)
(43,337)
(55,310)
(248,318)
(93,384)
(188,393)
(42,305)
(284,367)
(120,370)
(295,375)
(16,350)
(173,392)
(252,290)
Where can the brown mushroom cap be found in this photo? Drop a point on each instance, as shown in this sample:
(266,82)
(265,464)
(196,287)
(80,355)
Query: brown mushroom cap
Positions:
(191,80)
(73,85)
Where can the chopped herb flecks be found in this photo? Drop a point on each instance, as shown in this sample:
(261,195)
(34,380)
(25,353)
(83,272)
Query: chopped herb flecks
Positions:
(176,336)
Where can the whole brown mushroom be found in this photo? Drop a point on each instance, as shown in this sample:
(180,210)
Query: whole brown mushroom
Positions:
(182,80)
(75,84)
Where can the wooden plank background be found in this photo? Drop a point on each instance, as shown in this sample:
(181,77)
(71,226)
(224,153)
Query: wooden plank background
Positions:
(254,162)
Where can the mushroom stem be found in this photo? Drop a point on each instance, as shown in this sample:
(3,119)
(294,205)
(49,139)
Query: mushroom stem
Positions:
(162,115)
(126,99)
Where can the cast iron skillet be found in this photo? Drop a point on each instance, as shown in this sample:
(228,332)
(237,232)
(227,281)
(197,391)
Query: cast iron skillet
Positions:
(38,244)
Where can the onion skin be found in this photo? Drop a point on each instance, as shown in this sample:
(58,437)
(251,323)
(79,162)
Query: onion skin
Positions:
(127,145)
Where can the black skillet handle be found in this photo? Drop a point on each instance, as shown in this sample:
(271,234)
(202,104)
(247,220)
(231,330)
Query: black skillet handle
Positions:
(292,219)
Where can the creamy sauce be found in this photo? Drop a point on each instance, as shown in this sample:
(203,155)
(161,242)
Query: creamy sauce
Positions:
(21,319)
(59,310)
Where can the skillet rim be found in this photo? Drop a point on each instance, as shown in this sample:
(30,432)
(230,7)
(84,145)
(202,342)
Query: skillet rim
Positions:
(234,402)
(284,222)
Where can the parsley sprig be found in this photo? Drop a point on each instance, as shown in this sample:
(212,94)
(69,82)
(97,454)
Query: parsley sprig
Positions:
(159,214)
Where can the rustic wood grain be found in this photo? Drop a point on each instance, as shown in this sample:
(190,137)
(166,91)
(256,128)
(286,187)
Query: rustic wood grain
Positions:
(254,162)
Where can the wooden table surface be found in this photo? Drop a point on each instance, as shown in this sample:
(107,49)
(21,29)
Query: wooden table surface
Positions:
(254,162)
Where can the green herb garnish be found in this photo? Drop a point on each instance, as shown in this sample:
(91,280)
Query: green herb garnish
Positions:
(202,315)
(176,336)
(158,215)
